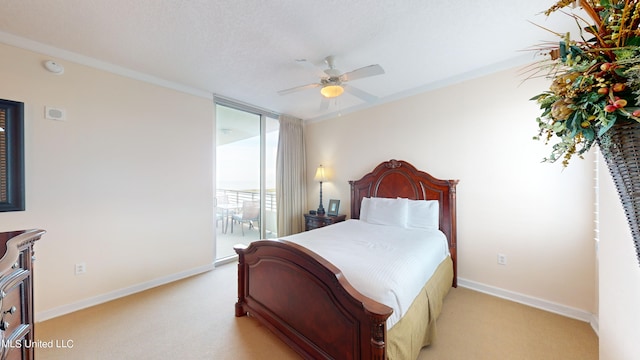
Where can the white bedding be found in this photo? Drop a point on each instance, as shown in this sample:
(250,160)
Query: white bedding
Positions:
(386,263)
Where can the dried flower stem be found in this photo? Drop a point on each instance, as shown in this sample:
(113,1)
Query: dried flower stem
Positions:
(588,7)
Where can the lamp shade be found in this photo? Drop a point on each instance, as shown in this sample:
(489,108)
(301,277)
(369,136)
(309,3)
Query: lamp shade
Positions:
(331,91)
(320,175)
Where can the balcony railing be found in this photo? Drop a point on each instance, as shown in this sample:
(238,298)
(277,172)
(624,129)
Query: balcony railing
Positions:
(237,197)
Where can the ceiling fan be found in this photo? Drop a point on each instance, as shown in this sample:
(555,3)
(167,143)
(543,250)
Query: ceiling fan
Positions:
(333,82)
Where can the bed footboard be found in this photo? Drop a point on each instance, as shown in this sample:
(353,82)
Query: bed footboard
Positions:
(307,302)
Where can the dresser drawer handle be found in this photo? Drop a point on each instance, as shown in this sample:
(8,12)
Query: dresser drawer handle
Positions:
(12,310)
(9,281)
(4,325)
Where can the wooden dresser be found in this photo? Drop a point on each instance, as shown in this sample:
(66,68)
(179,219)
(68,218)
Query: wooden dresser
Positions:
(316,221)
(16,293)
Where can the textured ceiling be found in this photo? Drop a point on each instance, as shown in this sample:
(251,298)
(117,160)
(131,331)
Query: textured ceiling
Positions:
(247,49)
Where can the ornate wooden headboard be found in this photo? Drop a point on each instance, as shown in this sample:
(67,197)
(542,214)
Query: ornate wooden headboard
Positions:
(397,178)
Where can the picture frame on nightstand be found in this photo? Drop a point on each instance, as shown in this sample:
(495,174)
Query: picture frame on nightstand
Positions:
(334,206)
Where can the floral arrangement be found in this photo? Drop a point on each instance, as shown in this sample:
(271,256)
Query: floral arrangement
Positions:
(595,80)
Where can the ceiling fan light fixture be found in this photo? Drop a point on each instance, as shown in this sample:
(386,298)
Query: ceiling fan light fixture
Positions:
(331,91)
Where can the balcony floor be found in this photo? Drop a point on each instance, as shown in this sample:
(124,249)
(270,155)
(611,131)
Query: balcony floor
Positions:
(226,241)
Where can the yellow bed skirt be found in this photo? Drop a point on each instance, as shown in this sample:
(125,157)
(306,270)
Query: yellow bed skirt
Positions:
(417,328)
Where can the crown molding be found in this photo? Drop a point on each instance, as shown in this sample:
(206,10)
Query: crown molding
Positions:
(26,44)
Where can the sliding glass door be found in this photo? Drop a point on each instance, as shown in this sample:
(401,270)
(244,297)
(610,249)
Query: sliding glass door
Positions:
(246,146)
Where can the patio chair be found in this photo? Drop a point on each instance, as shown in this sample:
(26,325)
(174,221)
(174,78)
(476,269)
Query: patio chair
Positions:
(250,213)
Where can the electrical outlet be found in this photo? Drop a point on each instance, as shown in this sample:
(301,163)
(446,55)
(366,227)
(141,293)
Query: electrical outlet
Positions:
(81,268)
(502,259)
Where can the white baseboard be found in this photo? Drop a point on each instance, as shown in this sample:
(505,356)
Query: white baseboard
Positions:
(69,308)
(533,302)
(469,284)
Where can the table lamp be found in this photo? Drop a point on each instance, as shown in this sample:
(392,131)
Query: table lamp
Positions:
(320,176)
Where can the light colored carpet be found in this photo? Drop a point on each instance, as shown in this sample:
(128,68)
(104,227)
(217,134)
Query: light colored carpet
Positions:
(194,319)
(479,326)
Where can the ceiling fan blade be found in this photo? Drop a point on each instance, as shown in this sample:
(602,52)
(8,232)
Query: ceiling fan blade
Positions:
(298,88)
(360,93)
(362,72)
(310,66)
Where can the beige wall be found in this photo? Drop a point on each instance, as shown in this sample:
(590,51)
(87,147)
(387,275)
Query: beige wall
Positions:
(124,184)
(619,274)
(480,132)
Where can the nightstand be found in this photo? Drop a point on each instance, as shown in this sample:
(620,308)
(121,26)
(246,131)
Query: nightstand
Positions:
(317,221)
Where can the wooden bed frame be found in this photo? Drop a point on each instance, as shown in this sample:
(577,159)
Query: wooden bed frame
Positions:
(307,302)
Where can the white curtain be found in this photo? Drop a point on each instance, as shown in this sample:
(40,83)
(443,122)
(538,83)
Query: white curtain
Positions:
(291,175)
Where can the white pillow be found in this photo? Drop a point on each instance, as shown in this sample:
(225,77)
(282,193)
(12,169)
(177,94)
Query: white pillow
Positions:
(364,208)
(423,214)
(385,211)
